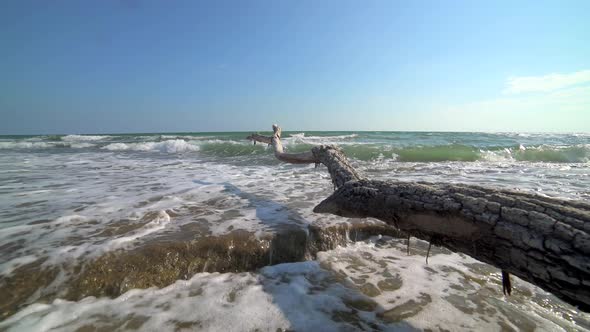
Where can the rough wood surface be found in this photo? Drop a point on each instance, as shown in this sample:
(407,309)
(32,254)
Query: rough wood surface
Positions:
(260,138)
(543,240)
(340,169)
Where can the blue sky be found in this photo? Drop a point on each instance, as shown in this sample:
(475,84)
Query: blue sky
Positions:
(162,66)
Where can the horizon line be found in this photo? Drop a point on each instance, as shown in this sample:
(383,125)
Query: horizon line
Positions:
(299,130)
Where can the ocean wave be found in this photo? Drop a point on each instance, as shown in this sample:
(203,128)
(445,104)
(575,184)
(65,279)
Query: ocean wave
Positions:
(221,148)
(169,146)
(158,222)
(543,153)
(438,153)
(362,149)
(24,145)
(220,141)
(44,138)
(82,145)
(77,138)
(302,138)
(29,145)
(559,154)
(186,137)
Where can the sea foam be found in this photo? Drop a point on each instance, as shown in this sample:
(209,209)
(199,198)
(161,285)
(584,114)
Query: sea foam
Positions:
(366,286)
(77,138)
(169,146)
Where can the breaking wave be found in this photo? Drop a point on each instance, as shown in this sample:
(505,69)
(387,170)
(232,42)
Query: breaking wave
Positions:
(543,153)
(77,138)
(359,151)
(169,146)
(25,145)
(571,154)
(42,145)
(365,146)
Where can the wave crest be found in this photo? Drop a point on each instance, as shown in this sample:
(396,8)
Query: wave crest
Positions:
(42,145)
(169,146)
(78,138)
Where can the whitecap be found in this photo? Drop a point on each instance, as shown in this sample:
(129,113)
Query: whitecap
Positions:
(24,145)
(81,145)
(169,146)
(73,138)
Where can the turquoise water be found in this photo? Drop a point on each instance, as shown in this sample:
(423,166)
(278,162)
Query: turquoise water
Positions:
(366,146)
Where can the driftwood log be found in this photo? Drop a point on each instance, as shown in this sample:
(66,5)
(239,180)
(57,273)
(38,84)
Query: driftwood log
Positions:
(543,240)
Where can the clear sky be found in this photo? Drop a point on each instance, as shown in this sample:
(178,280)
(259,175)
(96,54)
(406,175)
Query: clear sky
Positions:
(162,66)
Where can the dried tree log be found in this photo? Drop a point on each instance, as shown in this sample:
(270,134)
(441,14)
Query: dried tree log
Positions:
(543,240)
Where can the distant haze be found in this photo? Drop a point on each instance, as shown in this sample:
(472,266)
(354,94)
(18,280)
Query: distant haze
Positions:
(194,66)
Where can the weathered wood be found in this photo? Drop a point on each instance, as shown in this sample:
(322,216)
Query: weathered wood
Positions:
(543,240)
(280,154)
(340,169)
(260,138)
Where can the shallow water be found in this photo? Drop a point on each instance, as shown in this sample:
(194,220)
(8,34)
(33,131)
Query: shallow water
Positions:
(67,201)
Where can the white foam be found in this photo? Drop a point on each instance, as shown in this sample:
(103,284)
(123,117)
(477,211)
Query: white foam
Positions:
(299,296)
(169,146)
(219,141)
(41,145)
(504,155)
(452,290)
(82,145)
(25,145)
(7,267)
(313,296)
(78,138)
(159,223)
(301,138)
(186,137)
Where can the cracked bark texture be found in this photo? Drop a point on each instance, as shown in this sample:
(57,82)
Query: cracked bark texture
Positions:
(340,169)
(539,239)
(543,240)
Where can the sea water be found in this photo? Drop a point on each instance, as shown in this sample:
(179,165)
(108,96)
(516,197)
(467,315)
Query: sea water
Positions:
(68,200)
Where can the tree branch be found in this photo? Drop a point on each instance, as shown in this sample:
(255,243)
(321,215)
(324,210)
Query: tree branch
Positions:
(542,240)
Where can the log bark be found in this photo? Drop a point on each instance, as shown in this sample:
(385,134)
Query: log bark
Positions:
(543,240)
